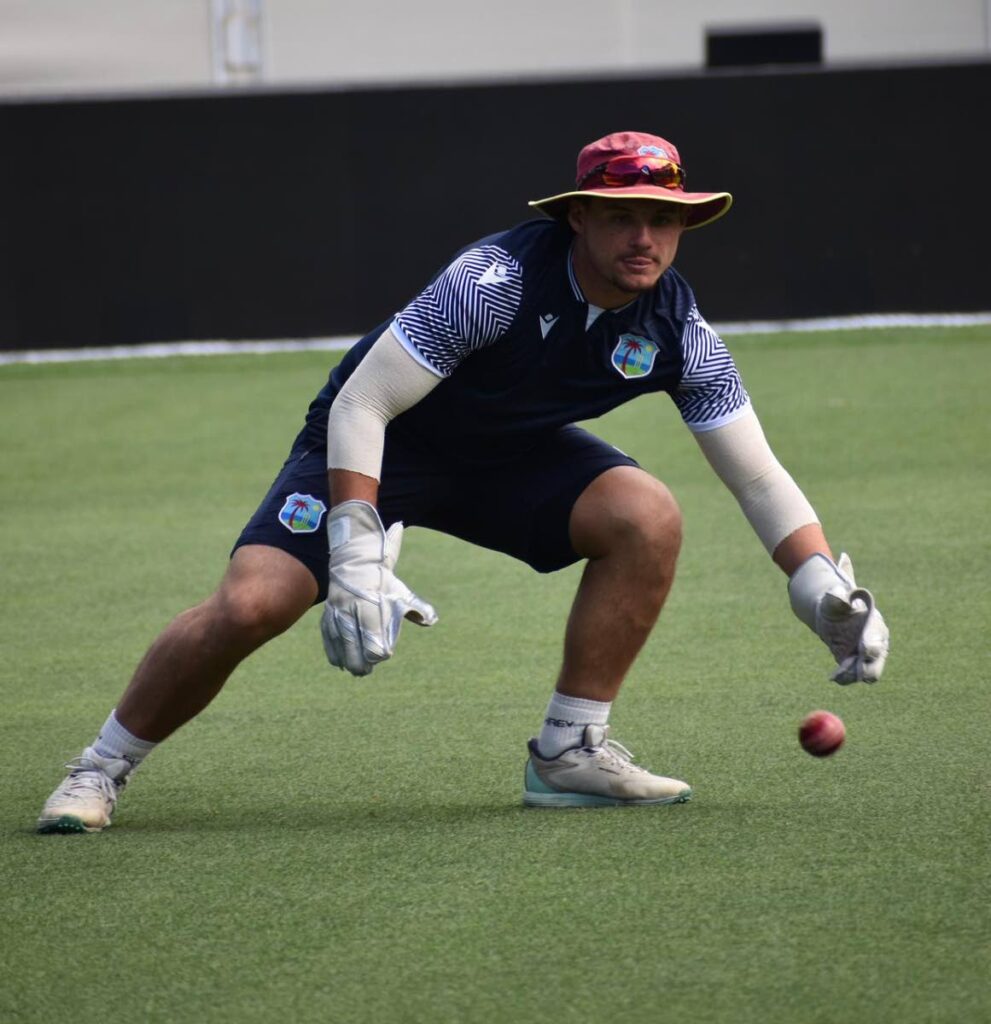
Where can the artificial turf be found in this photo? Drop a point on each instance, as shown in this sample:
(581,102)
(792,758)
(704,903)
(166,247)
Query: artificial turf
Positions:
(320,848)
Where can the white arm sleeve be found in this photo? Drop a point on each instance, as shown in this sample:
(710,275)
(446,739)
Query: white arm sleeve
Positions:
(385,383)
(743,460)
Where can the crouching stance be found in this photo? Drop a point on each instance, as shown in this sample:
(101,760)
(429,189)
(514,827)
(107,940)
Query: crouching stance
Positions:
(458,415)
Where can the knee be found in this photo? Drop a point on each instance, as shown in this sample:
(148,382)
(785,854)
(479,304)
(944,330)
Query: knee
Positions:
(264,591)
(248,615)
(649,520)
(630,512)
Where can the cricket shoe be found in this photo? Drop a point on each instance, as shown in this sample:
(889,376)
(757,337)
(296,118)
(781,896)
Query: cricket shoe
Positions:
(599,773)
(87,796)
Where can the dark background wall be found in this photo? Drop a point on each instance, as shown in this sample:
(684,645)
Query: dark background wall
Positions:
(302,214)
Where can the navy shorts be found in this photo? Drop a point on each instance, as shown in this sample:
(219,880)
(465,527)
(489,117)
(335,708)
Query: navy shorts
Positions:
(521,508)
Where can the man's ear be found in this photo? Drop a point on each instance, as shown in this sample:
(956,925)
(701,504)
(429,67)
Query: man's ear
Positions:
(576,214)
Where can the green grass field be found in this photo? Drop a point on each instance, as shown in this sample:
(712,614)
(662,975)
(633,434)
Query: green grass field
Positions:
(320,848)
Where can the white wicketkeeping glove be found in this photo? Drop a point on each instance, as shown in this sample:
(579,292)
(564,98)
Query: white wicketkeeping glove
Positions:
(366,603)
(827,599)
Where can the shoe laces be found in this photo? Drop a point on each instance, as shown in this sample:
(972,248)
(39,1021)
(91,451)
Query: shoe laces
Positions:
(85,777)
(617,755)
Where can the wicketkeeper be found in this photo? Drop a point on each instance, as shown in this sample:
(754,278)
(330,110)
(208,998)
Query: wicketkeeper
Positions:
(458,414)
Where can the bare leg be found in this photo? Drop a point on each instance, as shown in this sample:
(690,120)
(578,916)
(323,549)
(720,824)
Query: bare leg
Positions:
(628,526)
(262,594)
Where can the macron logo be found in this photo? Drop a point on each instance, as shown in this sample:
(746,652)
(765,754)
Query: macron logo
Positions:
(496,274)
(547,321)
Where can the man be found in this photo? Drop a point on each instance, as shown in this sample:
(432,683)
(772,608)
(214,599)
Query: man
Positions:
(458,415)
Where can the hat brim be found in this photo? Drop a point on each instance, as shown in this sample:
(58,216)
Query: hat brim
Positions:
(705,207)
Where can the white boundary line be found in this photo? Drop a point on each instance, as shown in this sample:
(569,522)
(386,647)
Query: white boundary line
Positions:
(852,323)
(161,350)
(165,349)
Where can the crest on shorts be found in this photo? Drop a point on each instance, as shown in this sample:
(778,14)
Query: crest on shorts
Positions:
(633,356)
(302,513)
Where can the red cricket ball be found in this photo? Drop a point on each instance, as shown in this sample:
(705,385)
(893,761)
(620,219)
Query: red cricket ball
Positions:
(821,733)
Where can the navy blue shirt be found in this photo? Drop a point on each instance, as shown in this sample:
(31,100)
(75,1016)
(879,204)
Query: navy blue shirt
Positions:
(521,351)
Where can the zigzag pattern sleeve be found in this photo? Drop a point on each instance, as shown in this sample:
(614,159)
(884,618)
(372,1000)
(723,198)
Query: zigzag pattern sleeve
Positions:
(470,305)
(711,393)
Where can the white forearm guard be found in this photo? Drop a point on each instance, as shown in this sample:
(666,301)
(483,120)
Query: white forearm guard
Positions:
(385,383)
(770,499)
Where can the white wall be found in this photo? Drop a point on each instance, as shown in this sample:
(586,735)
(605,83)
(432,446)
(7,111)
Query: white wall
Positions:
(48,45)
(122,45)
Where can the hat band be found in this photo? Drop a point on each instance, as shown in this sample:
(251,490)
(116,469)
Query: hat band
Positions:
(627,171)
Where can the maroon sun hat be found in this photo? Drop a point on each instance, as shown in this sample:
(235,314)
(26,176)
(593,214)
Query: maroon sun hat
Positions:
(638,166)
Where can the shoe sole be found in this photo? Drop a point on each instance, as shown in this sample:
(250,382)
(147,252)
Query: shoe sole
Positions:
(558,800)
(66,824)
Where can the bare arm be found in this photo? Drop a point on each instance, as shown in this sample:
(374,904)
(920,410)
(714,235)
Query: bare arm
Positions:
(346,485)
(805,542)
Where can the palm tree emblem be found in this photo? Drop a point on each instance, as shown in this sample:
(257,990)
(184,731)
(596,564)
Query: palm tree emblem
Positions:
(301,513)
(633,356)
(630,348)
(297,505)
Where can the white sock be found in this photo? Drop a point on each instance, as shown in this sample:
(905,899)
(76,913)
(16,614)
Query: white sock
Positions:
(115,741)
(565,721)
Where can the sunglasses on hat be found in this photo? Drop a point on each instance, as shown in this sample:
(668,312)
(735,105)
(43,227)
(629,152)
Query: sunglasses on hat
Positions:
(627,171)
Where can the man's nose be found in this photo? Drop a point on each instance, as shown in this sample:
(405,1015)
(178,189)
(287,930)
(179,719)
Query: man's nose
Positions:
(641,236)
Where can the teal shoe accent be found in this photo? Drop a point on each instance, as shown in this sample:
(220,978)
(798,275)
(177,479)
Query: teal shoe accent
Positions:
(67,824)
(533,783)
(536,793)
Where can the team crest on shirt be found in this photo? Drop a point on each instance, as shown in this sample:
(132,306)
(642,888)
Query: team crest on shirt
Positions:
(633,356)
(302,513)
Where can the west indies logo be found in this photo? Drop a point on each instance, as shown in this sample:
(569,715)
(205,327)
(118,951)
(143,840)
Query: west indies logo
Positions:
(302,513)
(633,356)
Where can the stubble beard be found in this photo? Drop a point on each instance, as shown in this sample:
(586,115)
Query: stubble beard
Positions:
(635,284)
